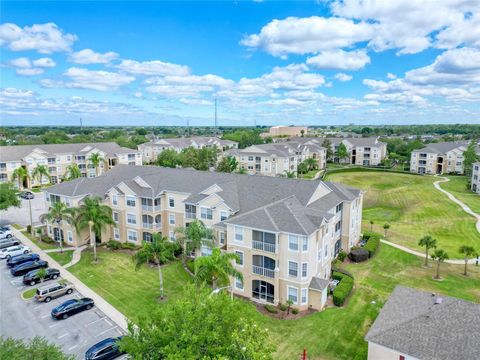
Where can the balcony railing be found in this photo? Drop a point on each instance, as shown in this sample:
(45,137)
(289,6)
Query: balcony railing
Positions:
(258,270)
(157,208)
(158,226)
(190,215)
(147,207)
(260,245)
(148,225)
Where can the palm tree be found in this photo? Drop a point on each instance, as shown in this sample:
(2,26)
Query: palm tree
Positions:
(96,216)
(157,251)
(289,174)
(21,175)
(95,159)
(371,225)
(386,227)
(311,163)
(467,251)
(429,243)
(57,213)
(193,237)
(40,172)
(73,172)
(439,256)
(217,268)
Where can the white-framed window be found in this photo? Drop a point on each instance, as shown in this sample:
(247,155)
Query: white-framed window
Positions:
(131,218)
(131,201)
(304,270)
(238,233)
(132,235)
(171,235)
(238,284)
(114,200)
(292,242)
(116,233)
(326,251)
(304,243)
(250,158)
(223,215)
(69,236)
(49,229)
(292,294)
(206,213)
(171,202)
(240,256)
(222,237)
(292,268)
(338,226)
(171,219)
(304,297)
(116,217)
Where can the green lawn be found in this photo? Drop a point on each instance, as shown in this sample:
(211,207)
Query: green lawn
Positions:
(41,244)
(336,333)
(457,187)
(413,208)
(309,175)
(62,258)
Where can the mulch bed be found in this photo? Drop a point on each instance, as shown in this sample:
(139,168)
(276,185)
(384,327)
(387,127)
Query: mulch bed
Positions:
(282,315)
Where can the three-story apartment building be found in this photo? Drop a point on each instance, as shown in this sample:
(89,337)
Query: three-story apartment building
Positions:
(57,157)
(475,183)
(285,231)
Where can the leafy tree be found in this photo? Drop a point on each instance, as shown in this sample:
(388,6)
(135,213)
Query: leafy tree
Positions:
(311,163)
(199,159)
(40,172)
(73,172)
(245,138)
(302,168)
(192,237)
(328,145)
(217,268)
(342,152)
(95,159)
(439,256)
(37,348)
(470,156)
(289,305)
(198,326)
(158,251)
(94,215)
(21,175)
(8,196)
(42,274)
(228,164)
(302,133)
(467,251)
(429,243)
(168,158)
(58,213)
(385,228)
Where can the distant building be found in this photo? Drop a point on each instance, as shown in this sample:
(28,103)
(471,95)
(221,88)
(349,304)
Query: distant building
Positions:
(363,151)
(151,149)
(57,157)
(476,178)
(287,131)
(417,325)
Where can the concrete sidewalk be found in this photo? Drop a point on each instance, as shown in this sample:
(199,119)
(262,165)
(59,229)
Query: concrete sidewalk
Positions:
(100,302)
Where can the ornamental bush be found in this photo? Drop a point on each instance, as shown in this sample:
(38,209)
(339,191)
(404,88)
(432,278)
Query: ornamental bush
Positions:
(283,307)
(359,255)
(114,245)
(271,309)
(372,245)
(342,290)
(128,246)
(294,311)
(341,255)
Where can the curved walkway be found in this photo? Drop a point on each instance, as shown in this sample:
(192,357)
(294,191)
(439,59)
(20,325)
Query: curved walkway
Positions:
(76,256)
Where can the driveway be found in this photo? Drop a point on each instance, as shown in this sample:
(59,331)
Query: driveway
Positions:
(21,215)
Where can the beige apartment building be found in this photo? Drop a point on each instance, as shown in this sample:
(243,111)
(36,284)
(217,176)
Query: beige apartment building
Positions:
(475,183)
(287,131)
(285,231)
(439,158)
(151,149)
(57,157)
(361,151)
(278,158)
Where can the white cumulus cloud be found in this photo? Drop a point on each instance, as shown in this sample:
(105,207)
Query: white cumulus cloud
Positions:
(88,56)
(343,77)
(340,60)
(155,67)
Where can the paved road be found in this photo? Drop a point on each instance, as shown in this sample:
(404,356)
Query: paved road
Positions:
(21,215)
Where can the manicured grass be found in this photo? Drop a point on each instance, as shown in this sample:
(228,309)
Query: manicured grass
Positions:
(62,258)
(458,188)
(309,175)
(413,208)
(336,333)
(41,244)
(30,293)
(17,226)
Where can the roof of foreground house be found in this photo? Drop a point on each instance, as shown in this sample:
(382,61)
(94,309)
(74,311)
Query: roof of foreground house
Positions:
(428,326)
(268,203)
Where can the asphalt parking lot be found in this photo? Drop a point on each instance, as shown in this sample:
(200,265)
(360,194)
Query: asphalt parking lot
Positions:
(21,215)
(29,318)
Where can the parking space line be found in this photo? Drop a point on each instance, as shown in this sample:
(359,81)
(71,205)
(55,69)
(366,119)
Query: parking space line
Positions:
(56,324)
(45,316)
(94,321)
(63,335)
(73,347)
(105,331)
(108,322)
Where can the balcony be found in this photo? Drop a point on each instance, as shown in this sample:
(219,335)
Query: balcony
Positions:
(258,270)
(148,225)
(190,215)
(260,245)
(147,207)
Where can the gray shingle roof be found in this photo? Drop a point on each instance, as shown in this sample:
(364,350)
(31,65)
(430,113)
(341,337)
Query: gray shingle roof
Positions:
(442,147)
(190,141)
(318,284)
(413,324)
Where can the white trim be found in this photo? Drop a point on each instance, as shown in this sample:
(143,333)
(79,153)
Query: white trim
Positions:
(288,269)
(288,295)
(243,258)
(301,296)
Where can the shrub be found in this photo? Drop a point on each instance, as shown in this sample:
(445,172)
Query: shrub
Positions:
(342,272)
(337,275)
(359,255)
(372,245)
(271,309)
(128,246)
(283,307)
(114,245)
(191,266)
(177,249)
(341,256)
(46,239)
(294,311)
(29,229)
(342,291)
(39,231)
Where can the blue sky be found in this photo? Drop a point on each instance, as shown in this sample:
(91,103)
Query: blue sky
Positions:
(316,63)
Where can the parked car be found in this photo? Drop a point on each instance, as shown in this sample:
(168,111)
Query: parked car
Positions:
(31,278)
(28,266)
(104,350)
(7,242)
(19,259)
(8,252)
(52,291)
(6,234)
(71,307)
(4,227)
(27,195)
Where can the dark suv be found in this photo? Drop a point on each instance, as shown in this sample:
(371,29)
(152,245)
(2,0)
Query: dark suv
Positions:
(20,259)
(26,267)
(104,350)
(32,278)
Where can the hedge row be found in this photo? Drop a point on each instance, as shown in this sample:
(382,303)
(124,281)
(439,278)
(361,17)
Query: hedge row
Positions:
(373,242)
(342,290)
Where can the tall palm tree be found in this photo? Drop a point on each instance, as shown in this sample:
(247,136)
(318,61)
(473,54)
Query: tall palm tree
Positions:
(57,213)
(439,256)
(73,172)
(467,251)
(385,228)
(311,163)
(96,216)
(193,237)
(429,243)
(21,175)
(95,159)
(157,251)
(40,172)
(217,268)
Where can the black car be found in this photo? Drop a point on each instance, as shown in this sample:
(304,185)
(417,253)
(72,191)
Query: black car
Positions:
(20,259)
(104,350)
(32,278)
(28,266)
(71,307)
(27,195)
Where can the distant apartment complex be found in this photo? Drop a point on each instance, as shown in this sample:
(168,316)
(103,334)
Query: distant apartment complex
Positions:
(476,178)
(361,151)
(439,158)
(57,157)
(278,158)
(151,149)
(286,232)
(287,131)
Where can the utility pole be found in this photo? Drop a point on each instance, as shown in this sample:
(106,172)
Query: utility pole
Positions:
(215,131)
(81,123)
(188,127)
(31,217)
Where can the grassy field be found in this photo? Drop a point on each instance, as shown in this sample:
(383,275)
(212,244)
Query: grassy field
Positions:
(62,258)
(413,208)
(457,187)
(336,333)
(42,245)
